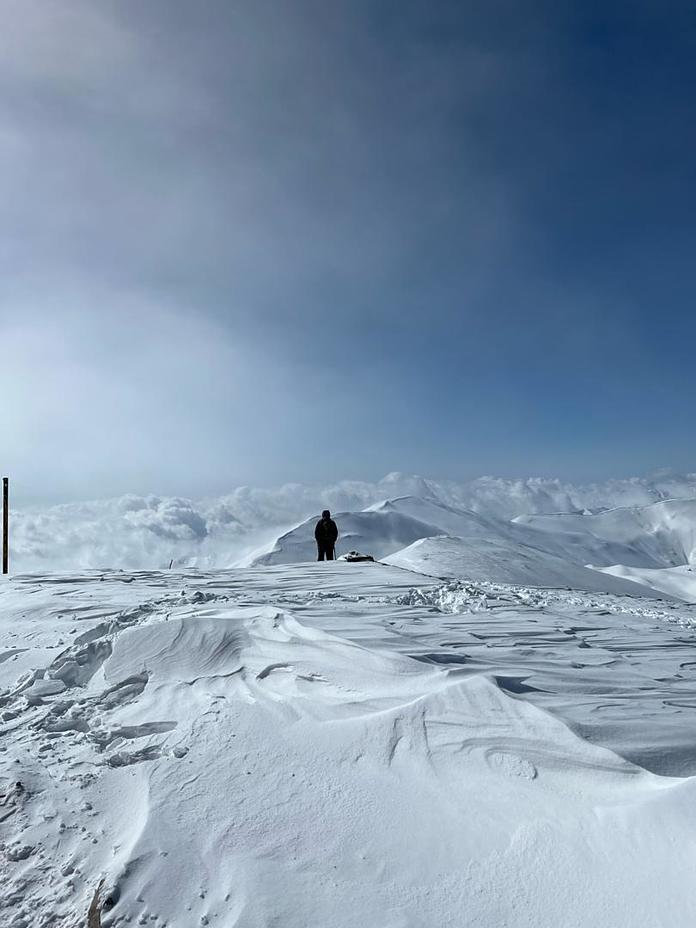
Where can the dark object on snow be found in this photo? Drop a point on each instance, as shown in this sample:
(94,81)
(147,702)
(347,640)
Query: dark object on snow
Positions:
(93,913)
(5,524)
(357,556)
(326,535)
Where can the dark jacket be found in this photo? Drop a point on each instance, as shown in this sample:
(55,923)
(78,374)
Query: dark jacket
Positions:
(326,532)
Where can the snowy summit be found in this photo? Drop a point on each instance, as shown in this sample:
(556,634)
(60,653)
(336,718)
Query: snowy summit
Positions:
(491,722)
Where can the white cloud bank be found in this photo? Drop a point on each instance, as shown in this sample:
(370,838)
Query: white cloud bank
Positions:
(148,532)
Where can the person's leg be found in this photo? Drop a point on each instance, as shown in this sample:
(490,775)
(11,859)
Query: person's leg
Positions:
(321,552)
(330,552)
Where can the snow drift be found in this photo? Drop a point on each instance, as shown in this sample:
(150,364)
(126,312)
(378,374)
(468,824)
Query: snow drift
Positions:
(501,560)
(207,749)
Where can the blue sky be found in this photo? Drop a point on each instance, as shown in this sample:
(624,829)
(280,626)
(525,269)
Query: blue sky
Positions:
(259,242)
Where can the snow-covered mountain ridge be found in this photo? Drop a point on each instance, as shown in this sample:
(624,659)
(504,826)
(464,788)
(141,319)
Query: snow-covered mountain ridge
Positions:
(149,532)
(578,550)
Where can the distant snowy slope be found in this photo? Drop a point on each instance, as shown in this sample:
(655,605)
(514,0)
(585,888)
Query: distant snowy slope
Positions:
(377,532)
(674,581)
(427,535)
(660,535)
(150,531)
(451,520)
(502,561)
(384,528)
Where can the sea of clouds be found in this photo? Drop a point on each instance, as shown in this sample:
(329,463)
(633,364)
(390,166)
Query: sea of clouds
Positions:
(149,532)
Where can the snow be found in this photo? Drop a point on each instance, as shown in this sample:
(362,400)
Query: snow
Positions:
(377,531)
(504,561)
(660,535)
(346,745)
(674,581)
(493,726)
(559,550)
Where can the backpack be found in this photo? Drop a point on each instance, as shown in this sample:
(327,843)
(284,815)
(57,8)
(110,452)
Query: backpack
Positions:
(327,530)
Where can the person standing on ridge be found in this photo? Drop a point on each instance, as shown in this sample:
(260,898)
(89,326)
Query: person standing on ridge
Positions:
(326,534)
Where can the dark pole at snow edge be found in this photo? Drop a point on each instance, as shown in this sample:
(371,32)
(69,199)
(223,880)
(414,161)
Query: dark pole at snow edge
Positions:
(5,524)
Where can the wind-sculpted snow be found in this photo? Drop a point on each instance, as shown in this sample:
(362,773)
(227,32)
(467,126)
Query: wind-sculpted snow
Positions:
(149,532)
(342,745)
(508,560)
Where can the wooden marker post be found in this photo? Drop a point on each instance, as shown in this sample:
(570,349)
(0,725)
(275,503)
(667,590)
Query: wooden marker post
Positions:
(5,524)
